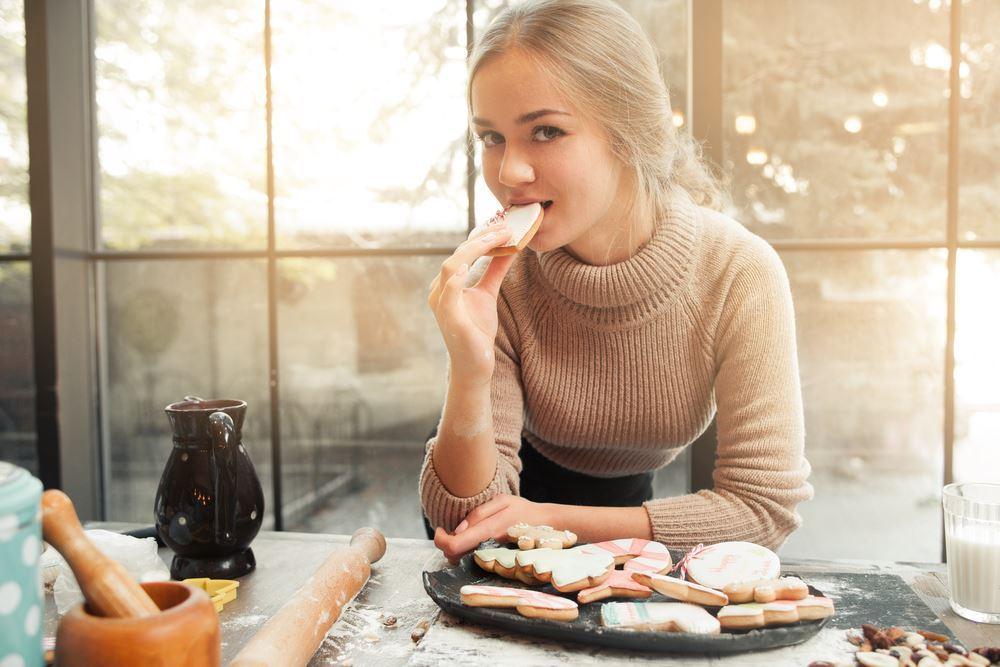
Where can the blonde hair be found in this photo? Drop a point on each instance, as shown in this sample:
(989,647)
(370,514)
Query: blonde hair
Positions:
(601,59)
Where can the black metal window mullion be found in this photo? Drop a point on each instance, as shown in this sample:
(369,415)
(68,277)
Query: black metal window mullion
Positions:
(42,254)
(272,291)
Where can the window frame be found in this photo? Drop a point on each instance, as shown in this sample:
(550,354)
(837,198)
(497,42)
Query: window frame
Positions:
(65,258)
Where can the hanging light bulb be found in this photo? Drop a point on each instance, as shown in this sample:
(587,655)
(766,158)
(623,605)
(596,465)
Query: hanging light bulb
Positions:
(678,118)
(880,98)
(852,124)
(746,124)
(756,156)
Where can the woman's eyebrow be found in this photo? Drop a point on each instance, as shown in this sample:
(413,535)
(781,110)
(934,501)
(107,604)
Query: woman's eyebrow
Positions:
(526,118)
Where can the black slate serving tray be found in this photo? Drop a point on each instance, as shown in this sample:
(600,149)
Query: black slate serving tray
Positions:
(444,587)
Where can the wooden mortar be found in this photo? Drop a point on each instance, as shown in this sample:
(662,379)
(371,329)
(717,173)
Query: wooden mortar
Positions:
(184,632)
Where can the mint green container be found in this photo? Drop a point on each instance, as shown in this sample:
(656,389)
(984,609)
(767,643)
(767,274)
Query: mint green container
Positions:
(21,600)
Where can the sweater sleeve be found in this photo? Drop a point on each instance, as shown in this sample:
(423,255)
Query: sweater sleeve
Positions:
(760,468)
(506,391)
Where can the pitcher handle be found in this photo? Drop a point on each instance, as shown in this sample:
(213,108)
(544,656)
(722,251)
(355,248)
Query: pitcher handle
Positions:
(224,468)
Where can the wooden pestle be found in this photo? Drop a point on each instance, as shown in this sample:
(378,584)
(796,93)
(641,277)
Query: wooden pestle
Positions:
(106,585)
(293,634)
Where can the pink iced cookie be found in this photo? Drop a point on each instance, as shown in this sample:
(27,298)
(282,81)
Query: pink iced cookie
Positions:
(527,602)
(637,554)
(619,585)
(720,565)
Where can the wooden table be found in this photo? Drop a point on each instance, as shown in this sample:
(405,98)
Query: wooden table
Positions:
(285,561)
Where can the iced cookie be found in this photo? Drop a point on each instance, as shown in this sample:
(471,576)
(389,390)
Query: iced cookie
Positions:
(767,590)
(665,616)
(499,561)
(756,615)
(568,570)
(619,584)
(638,556)
(641,555)
(726,563)
(678,589)
(540,537)
(528,603)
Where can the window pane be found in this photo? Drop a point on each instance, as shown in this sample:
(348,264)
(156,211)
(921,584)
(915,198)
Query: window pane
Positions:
(181,119)
(17,381)
(369,122)
(871,330)
(977,360)
(835,117)
(363,383)
(15,216)
(176,329)
(979,145)
(665,22)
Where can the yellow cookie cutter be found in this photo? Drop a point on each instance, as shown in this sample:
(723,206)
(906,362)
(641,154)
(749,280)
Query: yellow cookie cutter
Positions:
(220,591)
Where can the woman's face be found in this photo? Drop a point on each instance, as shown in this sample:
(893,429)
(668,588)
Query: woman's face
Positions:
(538,147)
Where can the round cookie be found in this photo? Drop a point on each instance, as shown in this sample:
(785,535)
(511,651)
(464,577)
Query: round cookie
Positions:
(720,565)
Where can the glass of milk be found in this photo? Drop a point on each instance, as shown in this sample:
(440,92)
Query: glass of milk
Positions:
(972,540)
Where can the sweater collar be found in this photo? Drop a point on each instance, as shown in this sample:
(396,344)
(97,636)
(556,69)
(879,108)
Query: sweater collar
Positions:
(660,266)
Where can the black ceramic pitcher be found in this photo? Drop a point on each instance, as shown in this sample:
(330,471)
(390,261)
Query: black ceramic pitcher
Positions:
(209,505)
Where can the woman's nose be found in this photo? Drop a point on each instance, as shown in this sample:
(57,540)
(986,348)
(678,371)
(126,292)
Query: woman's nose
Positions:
(515,170)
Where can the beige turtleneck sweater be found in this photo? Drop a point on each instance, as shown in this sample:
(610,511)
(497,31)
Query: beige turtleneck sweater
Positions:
(613,370)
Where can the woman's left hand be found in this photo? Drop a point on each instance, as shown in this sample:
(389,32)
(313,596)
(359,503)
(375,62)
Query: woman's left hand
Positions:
(491,519)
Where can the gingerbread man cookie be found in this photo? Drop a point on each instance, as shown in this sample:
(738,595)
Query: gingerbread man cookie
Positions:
(532,604)
(756,615)
(664,616)
(638,556)
(540,537)
(567,570)
(767,590)
(678,589)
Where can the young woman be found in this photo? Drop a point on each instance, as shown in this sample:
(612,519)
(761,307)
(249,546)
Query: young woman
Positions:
(591,359)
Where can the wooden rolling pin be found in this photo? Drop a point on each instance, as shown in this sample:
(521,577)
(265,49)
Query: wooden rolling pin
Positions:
(291,636)
(106,585)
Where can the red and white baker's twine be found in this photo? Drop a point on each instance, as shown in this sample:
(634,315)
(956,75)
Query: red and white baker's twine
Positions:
(682,563)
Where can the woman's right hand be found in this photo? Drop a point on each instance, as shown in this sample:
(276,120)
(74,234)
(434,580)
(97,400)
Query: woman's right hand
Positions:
(467,316)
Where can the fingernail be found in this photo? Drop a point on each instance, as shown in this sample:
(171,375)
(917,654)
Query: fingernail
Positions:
(462,526)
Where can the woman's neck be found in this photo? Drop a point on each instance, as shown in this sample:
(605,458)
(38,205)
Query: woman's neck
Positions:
(614,241)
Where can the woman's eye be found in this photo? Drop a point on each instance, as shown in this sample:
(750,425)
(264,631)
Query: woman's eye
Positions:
(490,139)
(546,133)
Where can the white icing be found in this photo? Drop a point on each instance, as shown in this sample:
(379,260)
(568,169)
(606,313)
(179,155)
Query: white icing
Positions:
(566,565)
(503,555)
(726,563)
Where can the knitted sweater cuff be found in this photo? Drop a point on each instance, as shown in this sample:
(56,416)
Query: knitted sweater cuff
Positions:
(445,509)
